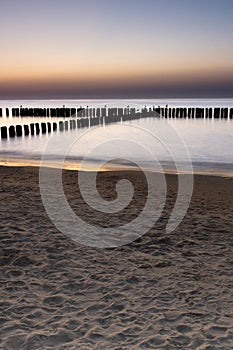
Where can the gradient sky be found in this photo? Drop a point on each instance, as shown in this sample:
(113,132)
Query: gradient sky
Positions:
(116,48)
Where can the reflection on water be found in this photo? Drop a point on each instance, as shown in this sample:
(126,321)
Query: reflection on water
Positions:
(209,143)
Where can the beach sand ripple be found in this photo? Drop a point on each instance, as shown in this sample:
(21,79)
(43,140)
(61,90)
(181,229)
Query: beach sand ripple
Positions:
(163,291)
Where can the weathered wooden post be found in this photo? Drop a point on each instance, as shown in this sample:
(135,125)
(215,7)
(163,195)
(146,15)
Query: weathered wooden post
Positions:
(53,112)
(173,114)
(66,125)
(169,113)
(210,113)
(32,129)
(68,111)
(80,112)
(225,113)
(193,113)
(61,126)
(12,131)
(98,112)
(19,131)
(221,113)
(26,130)
(49,127)
(189,112)
(216,113)
(37,128)
(54,126)
(200,113)
(4,132)
(73,112)
(181,113)
(231,113)
(16,112)
(43,128)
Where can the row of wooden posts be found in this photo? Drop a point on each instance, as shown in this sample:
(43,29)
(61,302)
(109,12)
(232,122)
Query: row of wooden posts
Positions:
(103,112)
(92,117)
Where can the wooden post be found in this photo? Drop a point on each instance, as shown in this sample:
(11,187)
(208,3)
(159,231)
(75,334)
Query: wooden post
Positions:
(222,112)
(12,131)
(49,127)
(19,131)
(26,130)
(53,112)
(225,113)
(170,113)
(71,124)
(7,112)
(231,113)
(37,128)
(0,112)
(216,113)
(181,113)
(73,112)
(61,126)
(193,113)
(43,128)
(68,112)
(189,112)
(173,112)
(17,112)
(4,132)
(210,113)
(54,126)
(32,129)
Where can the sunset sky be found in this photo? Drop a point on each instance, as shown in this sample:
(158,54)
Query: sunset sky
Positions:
(116,48)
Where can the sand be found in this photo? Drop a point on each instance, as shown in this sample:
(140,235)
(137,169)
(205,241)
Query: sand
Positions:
(164,291)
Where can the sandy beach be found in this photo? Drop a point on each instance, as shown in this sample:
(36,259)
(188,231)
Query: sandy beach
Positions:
(164,291)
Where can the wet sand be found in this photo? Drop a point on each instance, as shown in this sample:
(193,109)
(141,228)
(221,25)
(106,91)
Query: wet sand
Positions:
(164,291)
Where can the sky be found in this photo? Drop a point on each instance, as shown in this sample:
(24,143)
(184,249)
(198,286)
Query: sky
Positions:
(116,48)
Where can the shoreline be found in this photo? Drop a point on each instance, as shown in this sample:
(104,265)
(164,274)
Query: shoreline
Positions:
(70,167)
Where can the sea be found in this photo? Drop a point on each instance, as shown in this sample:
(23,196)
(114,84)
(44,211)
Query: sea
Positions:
(202,146)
